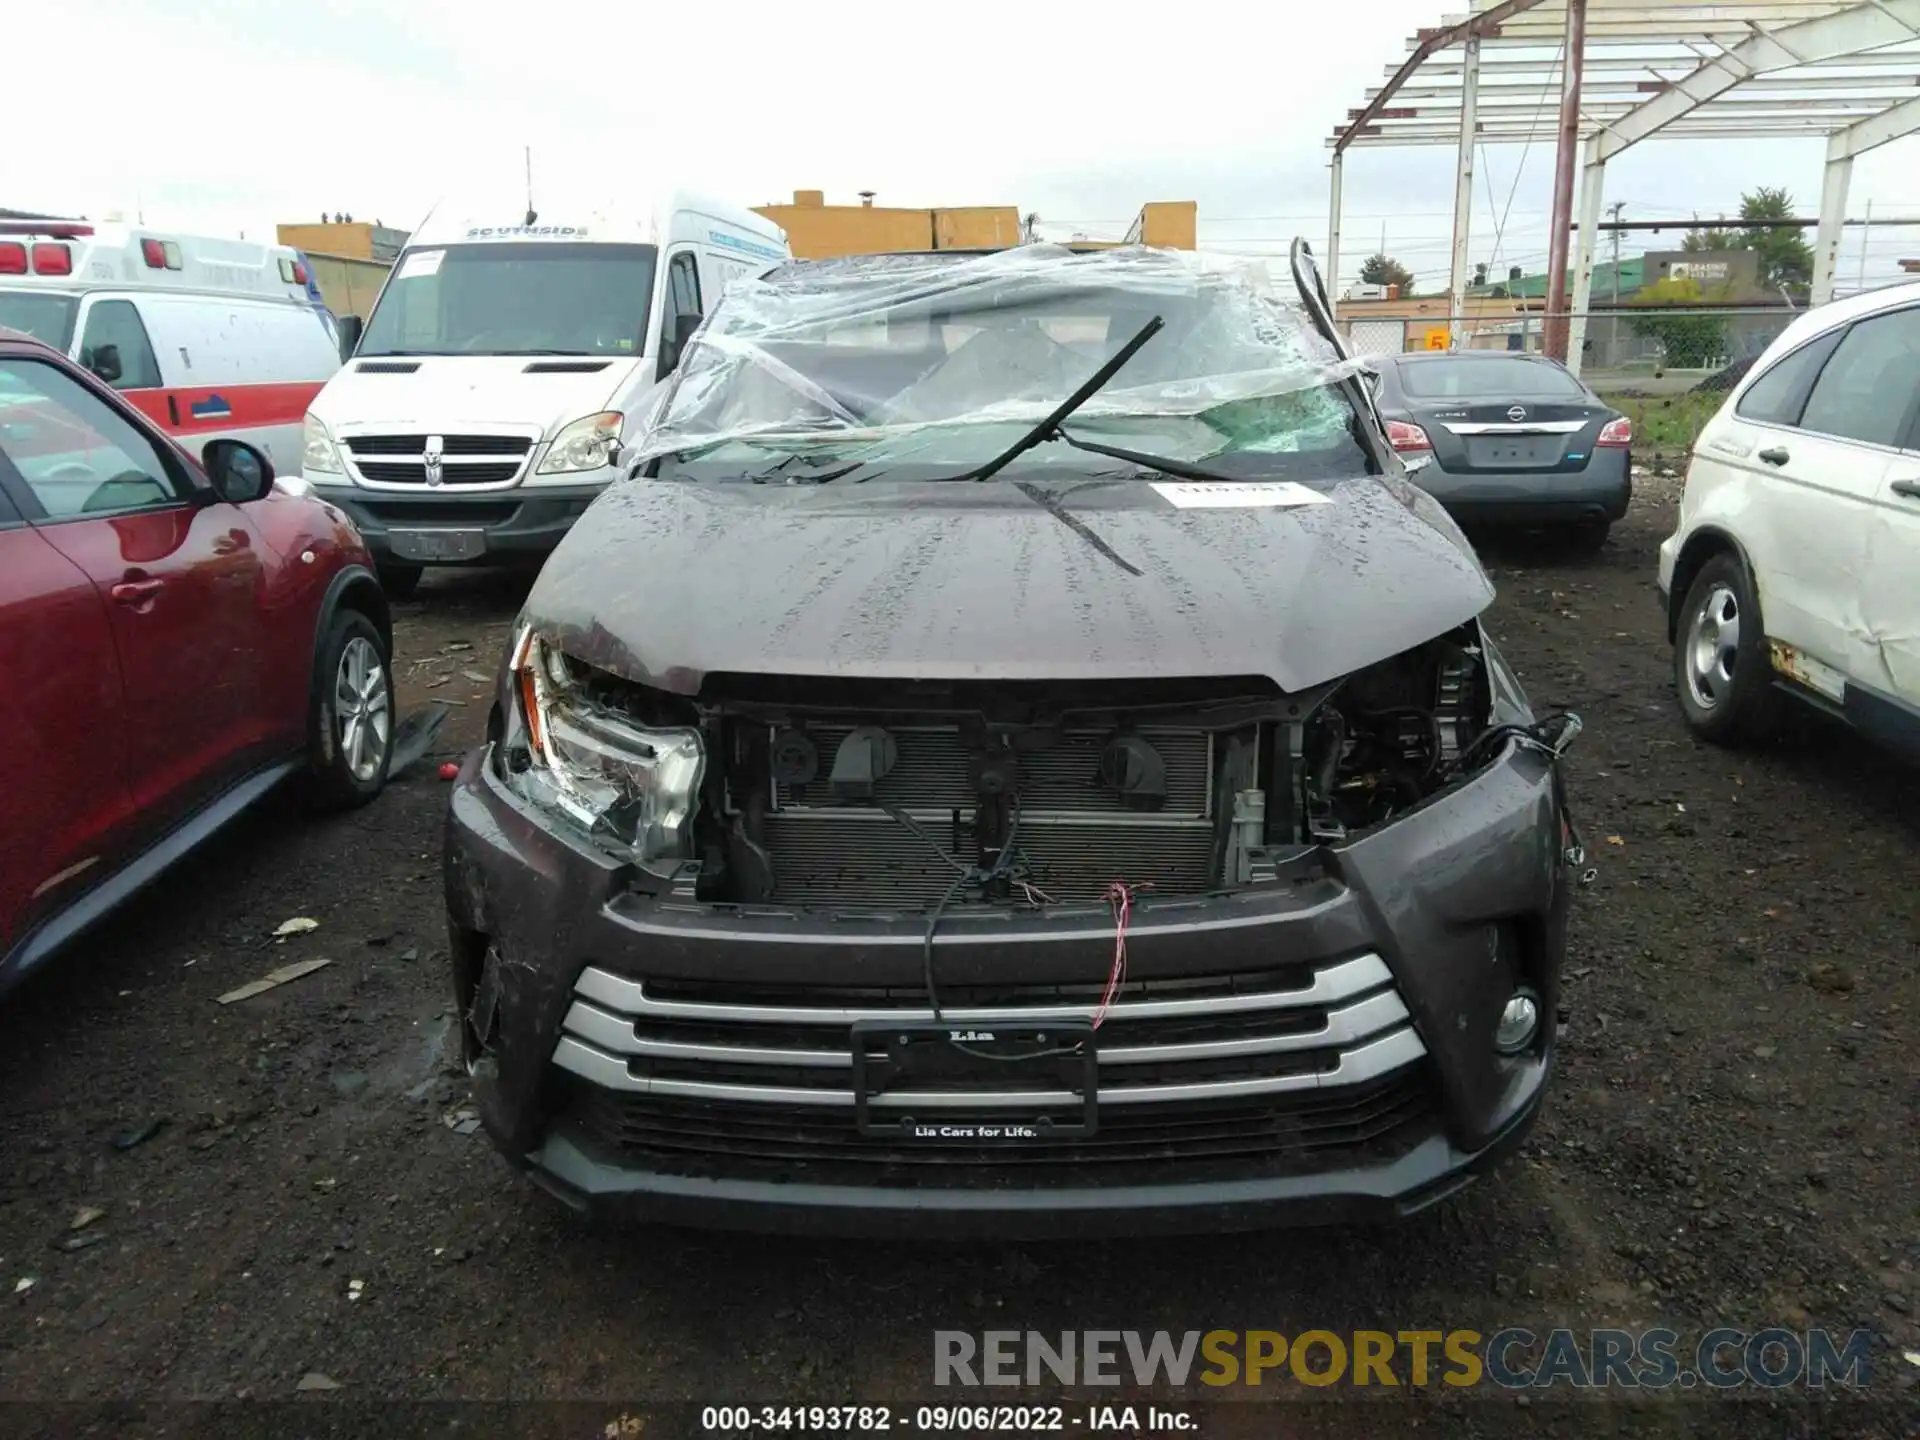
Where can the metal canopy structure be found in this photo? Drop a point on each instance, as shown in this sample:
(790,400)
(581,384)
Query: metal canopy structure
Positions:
(1847,71)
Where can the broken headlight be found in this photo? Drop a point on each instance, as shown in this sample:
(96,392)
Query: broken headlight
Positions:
(631,785)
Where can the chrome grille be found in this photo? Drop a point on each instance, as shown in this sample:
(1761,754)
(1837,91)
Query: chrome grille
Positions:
(386,472)
(451,445)
(1303,1031)
(400,461)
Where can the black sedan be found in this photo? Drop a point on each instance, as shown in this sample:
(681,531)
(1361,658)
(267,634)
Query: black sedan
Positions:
(1509,439)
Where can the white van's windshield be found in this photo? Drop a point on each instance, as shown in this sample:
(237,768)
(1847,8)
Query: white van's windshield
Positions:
(48,318)
(538,298)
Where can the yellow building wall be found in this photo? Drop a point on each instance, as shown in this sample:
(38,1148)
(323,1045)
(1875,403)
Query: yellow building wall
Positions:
(817,231)
(348,286)
(977,227)
(1169,224)
(351,240)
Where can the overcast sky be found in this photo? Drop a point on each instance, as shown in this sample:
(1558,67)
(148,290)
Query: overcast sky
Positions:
(229,115)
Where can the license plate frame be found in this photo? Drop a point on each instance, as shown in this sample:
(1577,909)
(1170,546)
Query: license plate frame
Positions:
(1521,452)
(439,543)
(891,1056)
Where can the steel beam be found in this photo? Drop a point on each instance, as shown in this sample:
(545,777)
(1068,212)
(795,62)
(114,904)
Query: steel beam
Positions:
(1593,183)
(1554,334)
(1833,210)
(1463,191)
(1845,32)
(1331,269)
(1890,124)
(1439,40)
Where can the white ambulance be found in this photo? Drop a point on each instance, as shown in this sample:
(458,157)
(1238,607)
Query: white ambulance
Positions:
(491,389)
(212,339)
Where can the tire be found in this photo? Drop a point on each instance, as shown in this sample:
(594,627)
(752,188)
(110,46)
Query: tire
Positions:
(1589,536)
(1721,671)
(349,739)
(400,581)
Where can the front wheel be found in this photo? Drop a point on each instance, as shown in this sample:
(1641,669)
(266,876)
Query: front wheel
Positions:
(1720,666)
(350,727)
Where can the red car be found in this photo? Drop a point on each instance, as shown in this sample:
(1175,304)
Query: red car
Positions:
(177,638)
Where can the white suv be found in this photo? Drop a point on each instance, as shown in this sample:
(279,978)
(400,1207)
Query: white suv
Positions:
(1795,567)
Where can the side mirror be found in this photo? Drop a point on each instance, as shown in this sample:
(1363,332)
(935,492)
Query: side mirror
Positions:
(104,361)
(673,343)
(350,327)
(240,473)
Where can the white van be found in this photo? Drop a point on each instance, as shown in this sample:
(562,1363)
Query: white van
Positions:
(485,405)
(212,339)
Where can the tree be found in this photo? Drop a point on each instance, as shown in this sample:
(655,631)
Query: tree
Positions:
(1383,269)
(1697,240)
(1688,341)
(1785,256)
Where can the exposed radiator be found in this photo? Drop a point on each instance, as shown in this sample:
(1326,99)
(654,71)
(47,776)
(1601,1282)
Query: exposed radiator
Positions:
(862,859)
(1078,834)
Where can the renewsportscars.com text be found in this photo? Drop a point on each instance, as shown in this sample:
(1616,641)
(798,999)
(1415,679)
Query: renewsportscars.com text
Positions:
(1510,1358)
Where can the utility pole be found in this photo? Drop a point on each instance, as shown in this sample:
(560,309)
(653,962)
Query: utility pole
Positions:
(1613,321)
(1614,210)
(1866,230)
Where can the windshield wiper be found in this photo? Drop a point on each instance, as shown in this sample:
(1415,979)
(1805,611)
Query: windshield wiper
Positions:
(535,351)
(391,354)
(1049,428)
(1148,462)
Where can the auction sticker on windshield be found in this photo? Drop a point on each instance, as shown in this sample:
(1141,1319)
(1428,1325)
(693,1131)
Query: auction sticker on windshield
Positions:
(420,262)
(1218,495)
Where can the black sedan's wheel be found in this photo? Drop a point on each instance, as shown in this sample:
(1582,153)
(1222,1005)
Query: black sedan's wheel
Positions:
(1720,666)
(350,729)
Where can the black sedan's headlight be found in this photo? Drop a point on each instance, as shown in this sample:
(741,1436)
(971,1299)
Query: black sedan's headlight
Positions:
(633,786)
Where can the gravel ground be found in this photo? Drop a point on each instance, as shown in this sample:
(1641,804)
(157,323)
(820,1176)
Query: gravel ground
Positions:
(1731,1138)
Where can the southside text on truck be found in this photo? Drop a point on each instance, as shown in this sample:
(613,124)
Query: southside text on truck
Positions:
(1017,757)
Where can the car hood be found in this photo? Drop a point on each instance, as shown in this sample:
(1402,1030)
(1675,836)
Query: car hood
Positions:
(667,581)
(448,391)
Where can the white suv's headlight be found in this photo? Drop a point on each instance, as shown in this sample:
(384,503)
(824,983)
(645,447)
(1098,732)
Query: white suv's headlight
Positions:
(626,784)
(317,450)
(588,443)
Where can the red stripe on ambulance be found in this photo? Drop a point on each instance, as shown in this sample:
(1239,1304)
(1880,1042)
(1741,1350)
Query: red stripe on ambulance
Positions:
(225,407)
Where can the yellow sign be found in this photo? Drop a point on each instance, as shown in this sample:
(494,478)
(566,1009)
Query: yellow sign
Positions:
(1437,339)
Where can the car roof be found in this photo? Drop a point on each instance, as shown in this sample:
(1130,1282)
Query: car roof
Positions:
(1432,357)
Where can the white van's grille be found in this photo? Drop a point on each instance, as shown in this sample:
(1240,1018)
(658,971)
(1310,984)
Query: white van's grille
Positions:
(437,460)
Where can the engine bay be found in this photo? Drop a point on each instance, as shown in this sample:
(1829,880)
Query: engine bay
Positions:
(832,794)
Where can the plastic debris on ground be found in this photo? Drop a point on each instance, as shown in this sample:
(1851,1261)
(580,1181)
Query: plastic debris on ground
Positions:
(299,925)
(271,980)
(413,738)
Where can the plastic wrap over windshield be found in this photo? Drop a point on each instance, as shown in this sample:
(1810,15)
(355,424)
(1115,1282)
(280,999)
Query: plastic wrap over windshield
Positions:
(937,355)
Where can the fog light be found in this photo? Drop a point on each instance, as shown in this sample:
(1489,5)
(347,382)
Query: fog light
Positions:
(1518,1021)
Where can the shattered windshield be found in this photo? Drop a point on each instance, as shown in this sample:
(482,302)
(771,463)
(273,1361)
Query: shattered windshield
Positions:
(912,364)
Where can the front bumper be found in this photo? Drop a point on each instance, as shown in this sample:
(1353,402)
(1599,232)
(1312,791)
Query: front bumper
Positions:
(523,523)
(1421,900)
(1602,491)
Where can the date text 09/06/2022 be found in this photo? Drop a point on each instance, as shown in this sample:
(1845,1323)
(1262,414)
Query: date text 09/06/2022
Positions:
(935,1419)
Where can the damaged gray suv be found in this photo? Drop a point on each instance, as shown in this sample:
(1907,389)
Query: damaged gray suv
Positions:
(1018,757)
